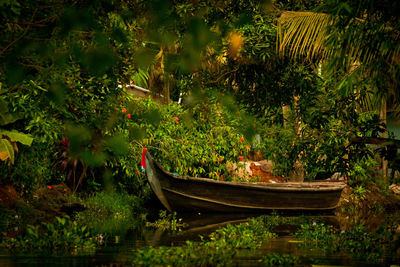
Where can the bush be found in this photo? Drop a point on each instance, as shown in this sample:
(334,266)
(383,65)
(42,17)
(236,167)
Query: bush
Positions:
(108,213)
(61,234)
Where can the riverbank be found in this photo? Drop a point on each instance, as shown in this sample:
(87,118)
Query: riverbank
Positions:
(366,224)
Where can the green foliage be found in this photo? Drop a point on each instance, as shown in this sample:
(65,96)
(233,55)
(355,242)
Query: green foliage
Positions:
(190,254)
(203,138)
(5,219)
(275,259)
(357,241)
(62,62)
(259,38)
(220,249)
(196,141)
(61,234)
(322,143)
(109,214)
(33,169)
(167,222)
(248,235)
(362,170)
(8,139)
(15,136)
(141,78)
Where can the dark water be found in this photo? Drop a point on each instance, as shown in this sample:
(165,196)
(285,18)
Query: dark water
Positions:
(118,255)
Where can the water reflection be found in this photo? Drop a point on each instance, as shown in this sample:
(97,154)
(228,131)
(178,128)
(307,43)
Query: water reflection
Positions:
(199,224)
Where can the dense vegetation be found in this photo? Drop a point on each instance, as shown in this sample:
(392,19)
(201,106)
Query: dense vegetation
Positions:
(295,81)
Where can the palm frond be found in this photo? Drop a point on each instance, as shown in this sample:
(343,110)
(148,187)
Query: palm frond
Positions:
(303,33)
(316,35)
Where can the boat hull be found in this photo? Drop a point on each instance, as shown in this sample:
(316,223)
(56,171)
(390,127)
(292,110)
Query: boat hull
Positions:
(180,193)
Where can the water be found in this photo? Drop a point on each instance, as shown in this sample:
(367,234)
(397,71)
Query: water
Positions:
(118,255)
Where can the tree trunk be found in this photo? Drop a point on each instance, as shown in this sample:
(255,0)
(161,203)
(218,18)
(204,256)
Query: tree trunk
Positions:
(285,113)
(382,116)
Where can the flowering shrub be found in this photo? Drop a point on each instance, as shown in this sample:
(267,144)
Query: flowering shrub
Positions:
(192,141)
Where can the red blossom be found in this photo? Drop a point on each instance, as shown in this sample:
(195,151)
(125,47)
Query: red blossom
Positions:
(49,186)
(240,157)
(65,141)
(176,119)
(180,140)
(378,168)
(124,110)
(220,159)
(128,115)
(241,139)
(202,119)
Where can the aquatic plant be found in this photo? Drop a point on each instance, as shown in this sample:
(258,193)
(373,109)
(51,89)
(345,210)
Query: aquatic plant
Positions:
(245,235)
(356,242)
(219,249)
(192,253)
(275,259)
(108,213)
(167,222)
(61,234)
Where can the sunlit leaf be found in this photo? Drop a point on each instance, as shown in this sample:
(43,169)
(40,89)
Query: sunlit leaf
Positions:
(6,150)
(16,136)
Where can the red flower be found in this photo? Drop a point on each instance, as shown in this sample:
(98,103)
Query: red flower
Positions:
(184,143)
(204,162)
(128,115)
(220,159)
(241,139)
(202,119)
(184,149)
(176,119)
(64,141)
(240,157)
(180,140)
(49,186)
(124,110)
(378,168)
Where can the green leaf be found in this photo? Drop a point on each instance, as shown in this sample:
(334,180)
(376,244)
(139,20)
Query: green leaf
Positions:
(5,116)
(6,150)
(16,136)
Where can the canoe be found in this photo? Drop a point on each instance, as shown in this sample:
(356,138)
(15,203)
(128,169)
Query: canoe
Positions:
(179,193)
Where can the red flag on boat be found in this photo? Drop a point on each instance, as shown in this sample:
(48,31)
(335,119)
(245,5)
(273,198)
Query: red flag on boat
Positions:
(143,162)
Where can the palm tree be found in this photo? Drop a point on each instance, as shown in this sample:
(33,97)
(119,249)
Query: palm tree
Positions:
(360,40)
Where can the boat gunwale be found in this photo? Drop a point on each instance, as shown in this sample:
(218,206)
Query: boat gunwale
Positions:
(239,206)
(287,186)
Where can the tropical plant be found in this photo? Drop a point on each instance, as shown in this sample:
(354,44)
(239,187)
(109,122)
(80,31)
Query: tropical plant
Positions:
(60,234)
(9,139)
(8,145)
(359,39)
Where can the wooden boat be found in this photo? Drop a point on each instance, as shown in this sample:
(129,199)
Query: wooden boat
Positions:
(178,193)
